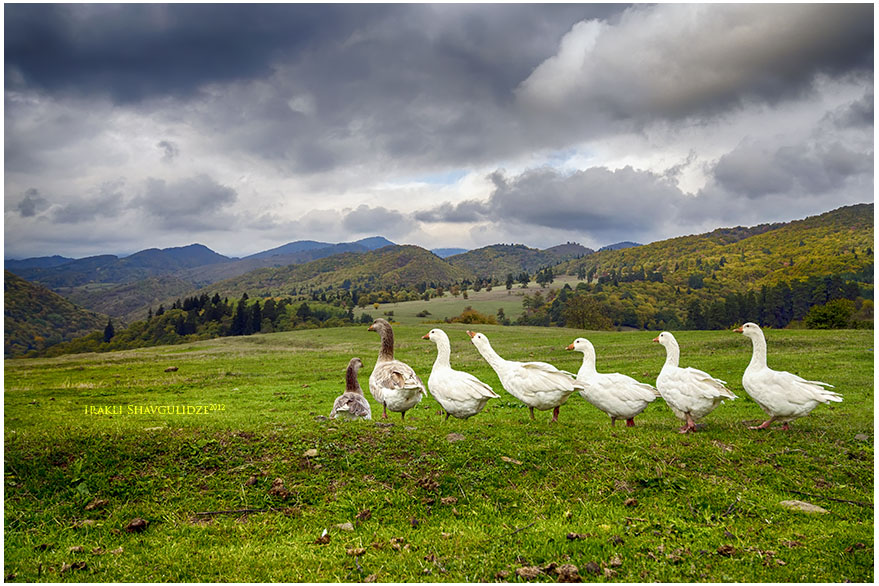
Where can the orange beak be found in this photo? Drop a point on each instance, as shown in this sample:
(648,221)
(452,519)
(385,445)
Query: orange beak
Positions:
(471,334)
(739,330)
(570,347)
(426,336)
(656,339)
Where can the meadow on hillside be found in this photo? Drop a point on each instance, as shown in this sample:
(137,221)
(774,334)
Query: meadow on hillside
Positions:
(259,486)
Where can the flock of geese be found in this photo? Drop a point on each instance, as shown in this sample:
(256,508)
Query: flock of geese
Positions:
(690,393)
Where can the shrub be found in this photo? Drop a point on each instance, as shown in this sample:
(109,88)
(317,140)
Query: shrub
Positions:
(471,316)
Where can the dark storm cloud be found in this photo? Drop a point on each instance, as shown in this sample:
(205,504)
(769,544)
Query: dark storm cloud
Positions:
(755,169)
(135,51)
(858,114)
(31,203)
(596,199)
(428,84)
(193,201)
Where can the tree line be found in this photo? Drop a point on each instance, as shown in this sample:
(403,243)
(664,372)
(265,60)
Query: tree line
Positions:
(817,302)
(203,317)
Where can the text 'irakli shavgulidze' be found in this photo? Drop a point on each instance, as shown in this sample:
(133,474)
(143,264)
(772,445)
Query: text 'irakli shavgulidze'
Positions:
(208,409)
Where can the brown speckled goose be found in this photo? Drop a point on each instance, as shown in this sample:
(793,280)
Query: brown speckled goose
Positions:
(393,383)
(352,404)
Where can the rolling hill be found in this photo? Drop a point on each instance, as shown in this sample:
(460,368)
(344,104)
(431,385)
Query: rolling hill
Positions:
(447,252)
(619,246)
(300,246)
(389,266)
(499,259)
(35,317)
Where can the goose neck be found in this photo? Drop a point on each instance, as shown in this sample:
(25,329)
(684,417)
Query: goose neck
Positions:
(588,366)
(492,357)
(672,354)
(758,358)
(386,353)
(443,354)
(352,385)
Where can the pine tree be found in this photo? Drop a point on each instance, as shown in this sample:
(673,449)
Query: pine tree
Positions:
(255,321)
(109,332)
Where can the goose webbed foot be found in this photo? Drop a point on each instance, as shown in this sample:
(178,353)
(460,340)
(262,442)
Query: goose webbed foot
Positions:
(630,422)
(555,415)
(689,427)
(766,424)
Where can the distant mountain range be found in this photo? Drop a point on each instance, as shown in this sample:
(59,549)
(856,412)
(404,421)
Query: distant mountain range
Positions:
(300,246)
(109,268)
(126,287)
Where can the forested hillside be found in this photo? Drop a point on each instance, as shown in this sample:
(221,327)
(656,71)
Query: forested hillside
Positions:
(770,274)
(36,318)
(836,243)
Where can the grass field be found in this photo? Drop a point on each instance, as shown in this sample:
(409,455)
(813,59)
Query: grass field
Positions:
(504,497)
(487,302)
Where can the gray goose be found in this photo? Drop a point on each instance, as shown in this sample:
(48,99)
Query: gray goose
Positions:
(352,404)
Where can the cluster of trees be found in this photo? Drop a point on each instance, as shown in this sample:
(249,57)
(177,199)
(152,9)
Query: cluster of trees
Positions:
(815,302)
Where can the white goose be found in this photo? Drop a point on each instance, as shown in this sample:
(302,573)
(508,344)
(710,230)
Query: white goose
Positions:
(784,396)
(618,395)
(691,394)
(537,384)
(352,404)
(460,393)
(393,383)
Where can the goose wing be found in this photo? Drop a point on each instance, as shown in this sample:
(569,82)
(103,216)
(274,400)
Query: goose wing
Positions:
(795,388)
(467,386)
(539,377)
(705,385)
(353,404)
(626,388)
(395,375)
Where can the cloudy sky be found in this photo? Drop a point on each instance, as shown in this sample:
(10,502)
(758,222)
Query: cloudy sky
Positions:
(245,127)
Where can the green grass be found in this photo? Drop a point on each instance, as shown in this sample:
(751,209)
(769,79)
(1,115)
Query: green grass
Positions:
(649,504)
